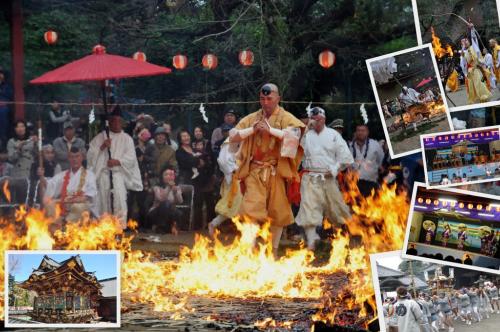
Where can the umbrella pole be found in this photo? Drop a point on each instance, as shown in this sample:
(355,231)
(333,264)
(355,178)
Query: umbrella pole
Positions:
(103,87)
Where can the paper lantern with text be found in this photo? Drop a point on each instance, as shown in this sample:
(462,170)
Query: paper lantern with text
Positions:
(139,56)
(209,61)
(246,58)
(50,37)
(180,61)
(327,59)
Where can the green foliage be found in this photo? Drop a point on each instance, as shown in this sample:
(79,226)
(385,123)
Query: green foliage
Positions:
(286,37)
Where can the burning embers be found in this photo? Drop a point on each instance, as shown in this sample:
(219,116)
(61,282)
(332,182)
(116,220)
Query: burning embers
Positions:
(243,269)
(419,112)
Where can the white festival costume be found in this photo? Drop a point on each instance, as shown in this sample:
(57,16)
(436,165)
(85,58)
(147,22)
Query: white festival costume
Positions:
(89,189)
(410,98)
(488,62)
(324,155)
(125,177)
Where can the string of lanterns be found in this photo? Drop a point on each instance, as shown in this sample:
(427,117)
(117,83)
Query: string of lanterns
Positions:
(461,205)
(209,61)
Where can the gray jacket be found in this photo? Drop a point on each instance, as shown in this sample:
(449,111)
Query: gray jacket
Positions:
(410,316)
(21,158)
(61,150)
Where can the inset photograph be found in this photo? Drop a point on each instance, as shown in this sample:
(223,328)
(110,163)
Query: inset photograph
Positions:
(62,289)
(476,118)
(409,96)
(461,157)
(412,294)
(465,39)
(489,188)
(456,226)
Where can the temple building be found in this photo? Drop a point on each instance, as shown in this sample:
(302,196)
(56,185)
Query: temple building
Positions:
(65,292)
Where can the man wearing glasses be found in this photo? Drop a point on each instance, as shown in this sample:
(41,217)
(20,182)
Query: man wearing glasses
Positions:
(268,160)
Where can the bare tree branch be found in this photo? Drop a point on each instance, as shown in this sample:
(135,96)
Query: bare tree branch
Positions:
(228,29)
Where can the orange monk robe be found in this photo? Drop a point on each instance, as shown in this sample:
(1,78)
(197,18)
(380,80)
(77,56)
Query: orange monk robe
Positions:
(495,54)
(453,82)
(264,172)
(477,90)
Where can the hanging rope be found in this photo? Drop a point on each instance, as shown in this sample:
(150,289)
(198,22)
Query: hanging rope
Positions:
(192,103)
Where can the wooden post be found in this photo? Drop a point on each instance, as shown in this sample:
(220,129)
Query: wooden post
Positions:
(17,53)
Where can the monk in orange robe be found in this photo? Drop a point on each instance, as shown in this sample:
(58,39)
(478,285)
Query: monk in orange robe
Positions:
(264,168)
(495,52)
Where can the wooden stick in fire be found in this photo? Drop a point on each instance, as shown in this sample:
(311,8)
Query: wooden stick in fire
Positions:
(40,155)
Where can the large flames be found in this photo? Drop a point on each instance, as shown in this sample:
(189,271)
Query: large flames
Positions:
(439,51)
(242,268)
(419,112)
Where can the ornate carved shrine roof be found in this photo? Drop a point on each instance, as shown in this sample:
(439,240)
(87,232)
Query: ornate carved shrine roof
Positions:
(68,275)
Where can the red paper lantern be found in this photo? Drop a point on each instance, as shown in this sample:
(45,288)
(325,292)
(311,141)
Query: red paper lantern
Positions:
(327,59)
(209,61)
(246,58)
(99,49)
(50,37)
(139,56)
(180,61)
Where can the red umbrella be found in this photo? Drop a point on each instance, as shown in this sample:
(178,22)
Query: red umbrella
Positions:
(424,82)
(100,66)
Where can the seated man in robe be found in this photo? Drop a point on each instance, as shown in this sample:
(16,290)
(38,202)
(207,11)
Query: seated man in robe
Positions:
(74,191)
(408,97)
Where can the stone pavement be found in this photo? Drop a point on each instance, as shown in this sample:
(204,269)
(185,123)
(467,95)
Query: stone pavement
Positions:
(413,142)
(460,97)
(486,325)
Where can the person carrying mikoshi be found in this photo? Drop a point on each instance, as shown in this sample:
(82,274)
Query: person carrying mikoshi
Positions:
(325,154)
(75,190)
(268,159)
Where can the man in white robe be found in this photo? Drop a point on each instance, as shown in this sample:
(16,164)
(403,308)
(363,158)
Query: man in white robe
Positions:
(325,154)
(123,165)
(408,97)
(75,190)
(428,96)
(488,64)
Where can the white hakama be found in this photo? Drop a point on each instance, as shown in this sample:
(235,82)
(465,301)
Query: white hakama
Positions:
(324,155)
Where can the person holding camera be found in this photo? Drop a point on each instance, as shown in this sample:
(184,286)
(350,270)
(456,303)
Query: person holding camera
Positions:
(21,150)
(57,118)
(368,156)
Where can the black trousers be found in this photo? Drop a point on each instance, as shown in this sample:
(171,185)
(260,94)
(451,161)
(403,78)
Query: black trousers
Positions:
(143,200)
(163,216)
(200,198)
